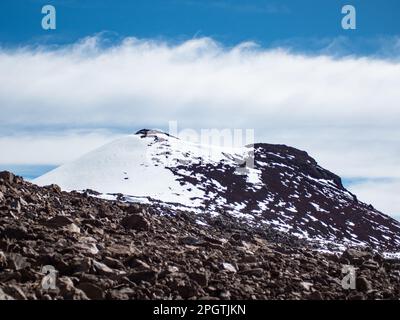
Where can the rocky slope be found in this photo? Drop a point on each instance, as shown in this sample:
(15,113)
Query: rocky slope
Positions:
(116,250)
(283,188)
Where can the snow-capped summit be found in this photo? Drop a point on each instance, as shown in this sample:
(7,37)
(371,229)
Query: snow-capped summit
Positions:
(284,187)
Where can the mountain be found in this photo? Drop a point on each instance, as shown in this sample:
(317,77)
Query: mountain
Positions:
(285,189)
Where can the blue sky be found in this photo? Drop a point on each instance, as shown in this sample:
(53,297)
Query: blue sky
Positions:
(305,25)
(283,68)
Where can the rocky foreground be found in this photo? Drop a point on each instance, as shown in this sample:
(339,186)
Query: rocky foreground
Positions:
(98,249)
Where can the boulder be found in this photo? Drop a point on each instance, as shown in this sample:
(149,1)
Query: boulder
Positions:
(200,277)
(103,269)
(68,290)
(228,267)
(190,241)
(94,292)
(148,276)
(355,257)
(135,222)
(316,295)
(4,296)
(113,263)
(60,221)
(7,176)
(15,291)
(16,232)
(363,284)
(188,290)
(257,272)
(134,262)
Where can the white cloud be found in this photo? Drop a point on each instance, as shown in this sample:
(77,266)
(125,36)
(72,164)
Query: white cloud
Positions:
(50,148)
(343,111)
(145,81)
(381,194)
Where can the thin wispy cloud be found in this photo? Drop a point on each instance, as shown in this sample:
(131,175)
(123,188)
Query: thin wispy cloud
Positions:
(378,47)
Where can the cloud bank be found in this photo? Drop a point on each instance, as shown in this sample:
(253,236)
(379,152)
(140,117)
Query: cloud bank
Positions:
(344,111)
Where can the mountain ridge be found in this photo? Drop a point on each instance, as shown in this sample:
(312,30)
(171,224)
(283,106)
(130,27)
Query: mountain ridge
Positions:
(285,189)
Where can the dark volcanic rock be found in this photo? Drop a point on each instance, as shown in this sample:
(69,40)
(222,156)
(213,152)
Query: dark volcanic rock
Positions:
(7,176)
(176,258)
(60,221)
(363,284)
(17,232)
(136,222)
(93,291)
(200,278)
(148,276)
(4,296)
